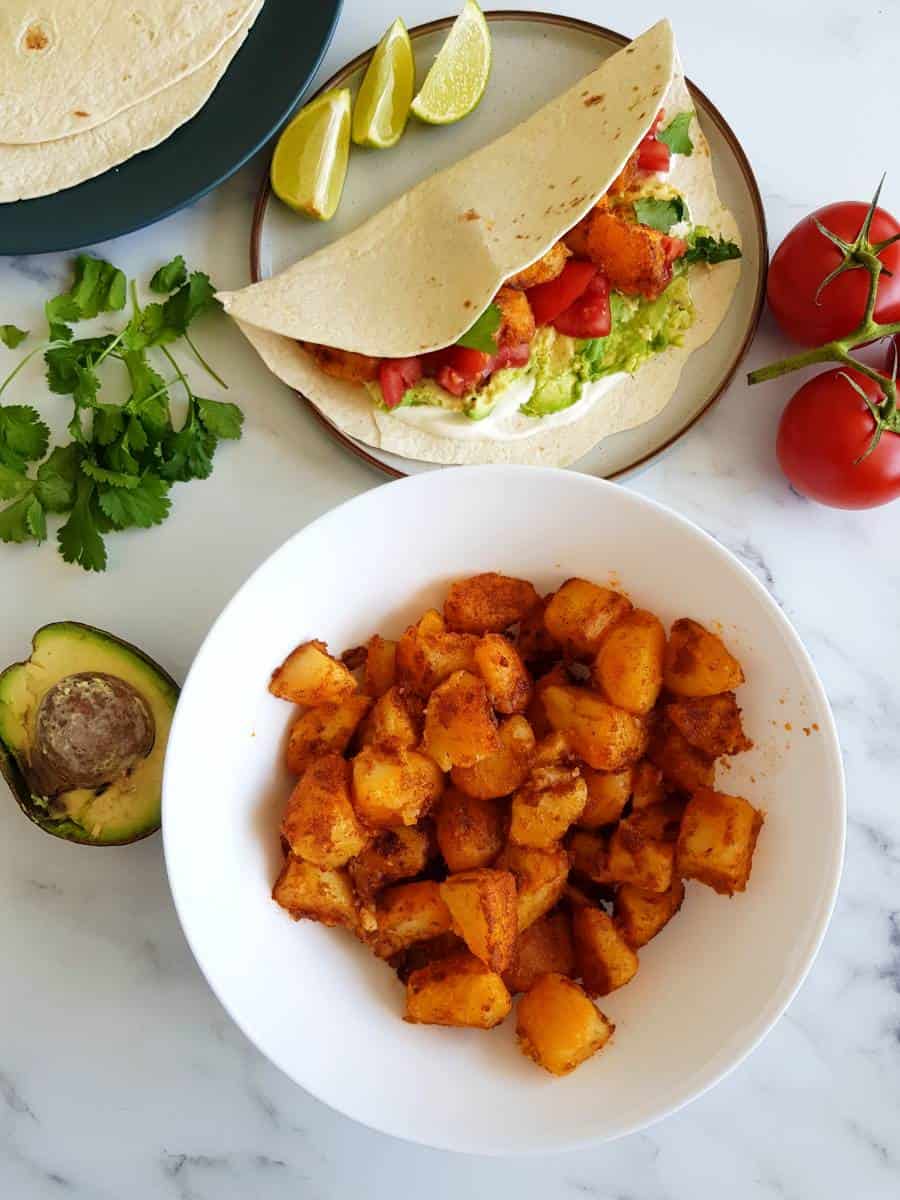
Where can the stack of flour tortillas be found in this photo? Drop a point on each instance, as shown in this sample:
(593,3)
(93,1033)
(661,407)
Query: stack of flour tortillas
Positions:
(85,86)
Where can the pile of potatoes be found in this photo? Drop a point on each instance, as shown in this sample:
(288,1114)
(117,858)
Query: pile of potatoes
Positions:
(509,799)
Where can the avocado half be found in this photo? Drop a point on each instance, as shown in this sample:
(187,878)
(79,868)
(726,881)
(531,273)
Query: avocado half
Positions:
(84,724)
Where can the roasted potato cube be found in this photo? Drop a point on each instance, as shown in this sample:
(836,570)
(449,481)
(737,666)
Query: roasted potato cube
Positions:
(552,799)
(589,856)
(607,794)
(318,893)
(628,668)
(324,730)
(534,642)
(579,614)
(395,720)
(604,958)
(470,830)
(500,773)
(536,713)
(482,906)
(381,666)
(310,676)
(606,737)
(641,852)
(460,726)
(558,1026)
(712,724)
(421,954)
(459,990)
(646,785)
(488,603)
(697,662)
(394,786)
(717,839)
(641,915)
(682,765)
(407,913)
(392,855)
(554,750)
(319,823)
(544,947)
(428,653)
(505,675)
(540,877)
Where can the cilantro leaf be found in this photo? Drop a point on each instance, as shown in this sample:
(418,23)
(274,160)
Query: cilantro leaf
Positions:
(100,474)
(169,277)
(710,249)
(149,401)
(23,435)
(68,363)
(195,297)
(660,214)
(480,335)
(13,483)
(676,134)
(98,287)
(79,539)
(11,336)
(109,423)
(147,504)
(15,525)
(56,478)
(36,519)
(221,419)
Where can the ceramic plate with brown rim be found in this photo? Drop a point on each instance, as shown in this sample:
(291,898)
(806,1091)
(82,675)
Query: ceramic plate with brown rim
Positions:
(536,56)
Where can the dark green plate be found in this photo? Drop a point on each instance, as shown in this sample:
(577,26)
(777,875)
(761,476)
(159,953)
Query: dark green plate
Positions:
(267,77)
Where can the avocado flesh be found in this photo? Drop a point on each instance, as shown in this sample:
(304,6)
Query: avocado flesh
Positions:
(124,809)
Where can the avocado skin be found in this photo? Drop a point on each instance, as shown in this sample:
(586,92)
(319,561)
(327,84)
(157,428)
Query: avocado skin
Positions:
(66,828)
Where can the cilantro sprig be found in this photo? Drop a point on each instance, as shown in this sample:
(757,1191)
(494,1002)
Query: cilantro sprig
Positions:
(117,470)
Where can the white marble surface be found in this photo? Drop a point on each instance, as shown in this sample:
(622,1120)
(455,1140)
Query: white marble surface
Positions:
(120,1075)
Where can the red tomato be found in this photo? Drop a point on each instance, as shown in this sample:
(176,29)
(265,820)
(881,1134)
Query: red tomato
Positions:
(396,376)
(824,429)
(657,121)
(548,300)
(653,155)
(511,356)
(589,316)
(674,248)
(804,259)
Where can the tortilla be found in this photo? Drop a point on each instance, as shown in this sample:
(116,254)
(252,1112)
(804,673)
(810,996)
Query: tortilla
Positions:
(68,67)
(48,167)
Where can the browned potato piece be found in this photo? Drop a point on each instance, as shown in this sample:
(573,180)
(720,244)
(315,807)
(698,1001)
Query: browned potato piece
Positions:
(641,915)
(712,724)
(421,954)
(606,737)
(318,893)
(546,946)
(641,852)
(629,664)
(488,603)
(381,666)
(717,839)
(589,856)
(500,773)
(682,765)
(407,913)
(534,642)
(697,663)
(558,1026)
(469,829)
(460,726)
(554,750)
(482,906)
(392,855)
(540,877)
(558,676)
(324,730)
(459,990)
(428,653)
(605,960)
(395,720)
(547,267)
(579,614)
(310,676)
(505,675)
(394,787)
(607,794)
(646,785)
(319,823)
(551,800)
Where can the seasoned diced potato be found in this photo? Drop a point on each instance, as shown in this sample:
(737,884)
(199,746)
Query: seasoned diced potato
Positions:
(646,785)
(505,675)
(641,852)
(697,662)
(536,713)
(318,893)
(394,787)
(470,830)
(407,913)
(534,642)
(460,726)
(395,721)
(628,669)
(554,750)
(641,915)
(381,666)
(717,839)
(319,823)
(540,877)
(579,614)
(488,603)
(500,773)
(310,676)
(605,960)
(589,856)
(482,906)
(551,800)
(324,730)
(421,954)
(682,765)
(606,737)
(712,724)
(459,990)
(607,794)
(558,1026)
(544,947)
(428,653)
(392,855)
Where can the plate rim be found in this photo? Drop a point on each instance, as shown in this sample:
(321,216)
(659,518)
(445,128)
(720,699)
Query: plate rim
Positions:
(264,196)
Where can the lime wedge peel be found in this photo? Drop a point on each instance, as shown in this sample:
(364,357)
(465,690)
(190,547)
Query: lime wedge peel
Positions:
(459,75)
(309,165)
(382,104)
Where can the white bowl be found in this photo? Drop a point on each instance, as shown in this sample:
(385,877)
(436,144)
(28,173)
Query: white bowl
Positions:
(328,1013)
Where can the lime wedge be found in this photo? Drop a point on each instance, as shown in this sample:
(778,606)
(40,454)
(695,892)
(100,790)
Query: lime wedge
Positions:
(459,74)
(310,161)
(382,105)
